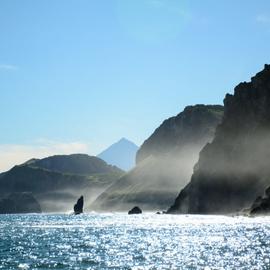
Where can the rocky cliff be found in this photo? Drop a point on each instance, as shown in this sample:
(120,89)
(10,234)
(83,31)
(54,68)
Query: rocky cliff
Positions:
(195,125)
(164,162)
(234,168)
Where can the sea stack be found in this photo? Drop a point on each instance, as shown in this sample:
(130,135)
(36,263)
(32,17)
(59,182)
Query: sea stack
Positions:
(135,211)
(78,207)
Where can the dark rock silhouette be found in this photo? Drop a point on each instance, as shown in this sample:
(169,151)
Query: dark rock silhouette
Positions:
(19,203)
(234,168)
(261,206)
(135,211)
(78,207)
(161,213)
(164,162)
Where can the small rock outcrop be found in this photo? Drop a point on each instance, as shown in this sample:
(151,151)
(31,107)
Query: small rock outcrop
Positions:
(135,211)
(234,168)
(161,213)
(78,207)
(261,206)
(19,203)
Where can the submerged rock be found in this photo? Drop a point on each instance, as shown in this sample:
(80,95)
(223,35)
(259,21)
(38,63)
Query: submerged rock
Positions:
(78,207)
(135,211)
(19,203)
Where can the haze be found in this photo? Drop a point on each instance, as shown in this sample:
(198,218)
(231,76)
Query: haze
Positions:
(76,76)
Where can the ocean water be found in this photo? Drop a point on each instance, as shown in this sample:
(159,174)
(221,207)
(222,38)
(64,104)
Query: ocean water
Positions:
(119,241)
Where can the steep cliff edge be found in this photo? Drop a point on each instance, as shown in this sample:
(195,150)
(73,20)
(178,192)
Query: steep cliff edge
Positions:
(234,169)
(164,162)
(195,125)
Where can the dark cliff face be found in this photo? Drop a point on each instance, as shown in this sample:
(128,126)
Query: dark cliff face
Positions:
(234,169)
(164,162)
(195,125)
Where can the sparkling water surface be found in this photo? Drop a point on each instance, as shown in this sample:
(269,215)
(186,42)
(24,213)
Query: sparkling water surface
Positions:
(119,241)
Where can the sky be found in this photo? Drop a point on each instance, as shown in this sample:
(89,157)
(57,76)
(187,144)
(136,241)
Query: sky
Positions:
(78,75)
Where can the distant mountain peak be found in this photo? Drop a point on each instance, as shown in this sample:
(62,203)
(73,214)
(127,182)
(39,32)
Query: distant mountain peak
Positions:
(124,140)
(121,154)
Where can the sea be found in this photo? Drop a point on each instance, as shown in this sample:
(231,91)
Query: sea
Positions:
(121,241)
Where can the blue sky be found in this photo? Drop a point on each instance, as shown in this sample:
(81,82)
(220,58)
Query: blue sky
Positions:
(78,75)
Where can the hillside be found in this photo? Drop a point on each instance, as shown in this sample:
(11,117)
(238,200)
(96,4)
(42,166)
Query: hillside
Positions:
(80,164)
(164,162)
(57,181)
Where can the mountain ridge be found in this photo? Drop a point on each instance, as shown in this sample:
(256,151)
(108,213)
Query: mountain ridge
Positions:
(56,188)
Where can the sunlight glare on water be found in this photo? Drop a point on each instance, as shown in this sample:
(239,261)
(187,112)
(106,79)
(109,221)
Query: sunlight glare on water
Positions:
(119,241)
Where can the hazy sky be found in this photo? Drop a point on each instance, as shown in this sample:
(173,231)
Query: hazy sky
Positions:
(77,75)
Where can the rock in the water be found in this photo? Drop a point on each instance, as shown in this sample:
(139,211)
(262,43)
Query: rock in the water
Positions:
(161,213)
(234,168)
(19,203)
(78,207)
(135,211)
